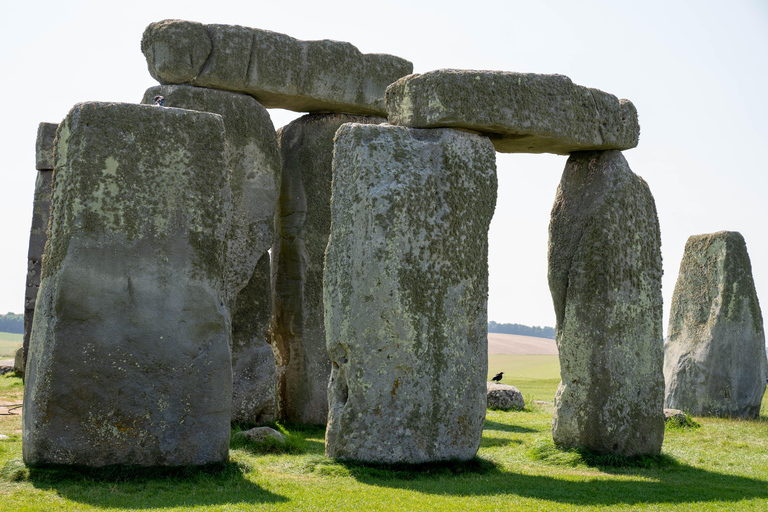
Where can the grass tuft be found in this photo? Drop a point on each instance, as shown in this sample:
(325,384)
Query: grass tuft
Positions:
(681,423)
(295,443)
(544,450)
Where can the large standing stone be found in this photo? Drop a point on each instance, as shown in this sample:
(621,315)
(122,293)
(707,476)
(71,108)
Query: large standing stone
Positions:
(406,288)
(38,234)
(276,69)
(714,358)
(521,112)
(303,224)
(129,356)
(605,279)
(255,163)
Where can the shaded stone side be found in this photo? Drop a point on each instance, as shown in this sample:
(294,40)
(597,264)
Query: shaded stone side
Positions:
(46,133)
(714,358)
(303,224)
(276,69)
(406,288)
(605,278)
(129,357)
(520,112)
(255,180)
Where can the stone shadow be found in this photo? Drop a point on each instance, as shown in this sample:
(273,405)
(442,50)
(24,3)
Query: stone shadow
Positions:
(504,427)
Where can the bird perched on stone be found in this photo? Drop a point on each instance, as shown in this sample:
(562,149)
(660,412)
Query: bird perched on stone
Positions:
(159,101)
(497,377)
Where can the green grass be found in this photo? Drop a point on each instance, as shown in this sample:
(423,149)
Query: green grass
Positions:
(514,367)
(722,465)
(9,343)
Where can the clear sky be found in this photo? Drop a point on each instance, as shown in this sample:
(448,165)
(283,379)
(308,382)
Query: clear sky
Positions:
(695,69)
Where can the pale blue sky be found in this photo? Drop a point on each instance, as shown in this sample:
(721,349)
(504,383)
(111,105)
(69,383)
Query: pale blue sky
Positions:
(696,71)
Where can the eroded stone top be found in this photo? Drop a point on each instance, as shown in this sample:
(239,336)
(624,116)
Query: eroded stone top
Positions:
(276,69)
(520,112)
(46,133)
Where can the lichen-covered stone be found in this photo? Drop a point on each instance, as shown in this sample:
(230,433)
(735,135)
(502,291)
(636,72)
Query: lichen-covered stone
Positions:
(303,224)
(255,166)
(406,286)
(504,397)
(605,278)
(714,358)
(520,112)
(276,69)
(46,133)
(129,355)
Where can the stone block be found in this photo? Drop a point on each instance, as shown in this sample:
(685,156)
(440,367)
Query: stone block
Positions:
(406,287)
(520,112)
(255,166)
(303,225)
(276,69)
(504,397)
(129,357)
(46,133)
(605,279)
(714,358)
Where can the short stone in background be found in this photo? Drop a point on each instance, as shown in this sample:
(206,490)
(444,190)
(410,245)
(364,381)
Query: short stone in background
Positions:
(303,224)
(714,358)
(255,164)
(504,397)
(406,286)
(260,434)
(129,354)
(674,415)
(605,279)
(520,112)
(38,234)
(276,69)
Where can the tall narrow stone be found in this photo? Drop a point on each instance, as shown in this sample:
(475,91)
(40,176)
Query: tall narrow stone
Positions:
(255,164)
(406,288)
(303,224)
(129,355)
(38,234)
(714,358)
(605,279)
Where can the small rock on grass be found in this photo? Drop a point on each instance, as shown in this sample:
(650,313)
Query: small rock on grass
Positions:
(260,434)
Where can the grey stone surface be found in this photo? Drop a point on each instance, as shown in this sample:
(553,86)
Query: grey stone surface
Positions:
(276,69)
(303,224)
(406,286)
(674,414)
(520,112)
(605,279)
(714,358)
(46,133)
(255,163)
(504,396)
(129,355)
(259,434)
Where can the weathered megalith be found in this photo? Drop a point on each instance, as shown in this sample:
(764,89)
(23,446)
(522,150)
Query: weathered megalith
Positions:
(504,397)
(714,358)
(276,69)
(129,355)
(255,166)
(520,112)
(38,234)
(605,278)
(303,224)
(406,284)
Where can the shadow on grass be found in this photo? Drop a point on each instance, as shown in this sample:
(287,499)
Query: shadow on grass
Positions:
(487,442)
(495,425)
(137,487)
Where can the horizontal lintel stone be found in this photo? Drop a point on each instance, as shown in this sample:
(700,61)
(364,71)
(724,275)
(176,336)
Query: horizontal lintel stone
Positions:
(520,112)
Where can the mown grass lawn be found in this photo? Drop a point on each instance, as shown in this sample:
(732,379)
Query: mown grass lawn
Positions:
(723,465)
(9,343)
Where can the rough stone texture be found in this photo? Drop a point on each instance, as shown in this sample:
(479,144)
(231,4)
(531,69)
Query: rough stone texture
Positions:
(278,70)
(129,355)
(674,414)
(259,434)
(714,358)
(504,396)
(303,224)
(46,133)
(255,164)
(520,112)
(605,280)
(18,362)
(406,287)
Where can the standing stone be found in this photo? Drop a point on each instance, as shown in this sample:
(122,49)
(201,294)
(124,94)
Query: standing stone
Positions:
(605,279)
(255,164)
(406,289)
(714,359)
(129,355)
(276,69)
(303,224)
(38,234)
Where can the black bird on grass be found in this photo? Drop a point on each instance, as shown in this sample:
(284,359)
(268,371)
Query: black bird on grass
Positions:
(497,377)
